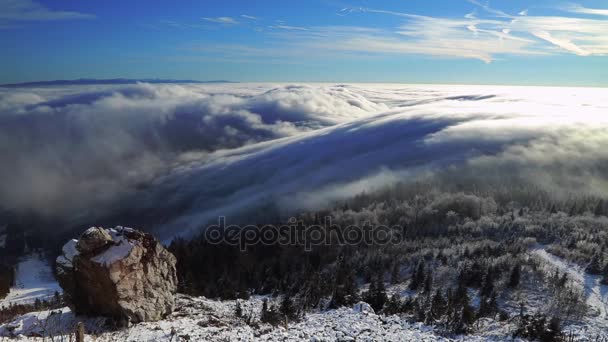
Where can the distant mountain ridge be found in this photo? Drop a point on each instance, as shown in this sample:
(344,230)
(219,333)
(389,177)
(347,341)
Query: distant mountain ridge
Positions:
(93,81)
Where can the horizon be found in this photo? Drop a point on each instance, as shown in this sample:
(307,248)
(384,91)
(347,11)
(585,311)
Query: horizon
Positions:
(540,43)
(219,81)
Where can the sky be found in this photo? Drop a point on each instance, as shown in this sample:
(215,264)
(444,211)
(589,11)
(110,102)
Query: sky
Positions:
(518,42)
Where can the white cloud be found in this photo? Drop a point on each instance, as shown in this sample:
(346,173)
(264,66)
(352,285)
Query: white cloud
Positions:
(29,10)
(192,152)
(222,20)
(287,27)
(576,8)
(118,137)
(250,17)
(474,37)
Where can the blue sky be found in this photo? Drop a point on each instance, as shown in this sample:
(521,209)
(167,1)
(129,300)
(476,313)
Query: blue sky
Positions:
(450,41)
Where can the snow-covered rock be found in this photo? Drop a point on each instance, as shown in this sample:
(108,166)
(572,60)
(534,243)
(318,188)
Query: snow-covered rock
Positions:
(363,307)
(120,273)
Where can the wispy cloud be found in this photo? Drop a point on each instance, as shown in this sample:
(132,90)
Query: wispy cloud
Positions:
(250,17)
(576,8)
(28,10)
(222,20)
(288,27)
(500,33)
(486,34)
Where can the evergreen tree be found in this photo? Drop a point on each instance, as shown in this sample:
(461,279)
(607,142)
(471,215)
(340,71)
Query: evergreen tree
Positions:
(599,208)
(395,276)
(287,307)
(417,277)
(515,276)
(605,274)
(393,306)
(428,283)
(438,305)
(487,286)
(376,295)
(594,266)
(238,310)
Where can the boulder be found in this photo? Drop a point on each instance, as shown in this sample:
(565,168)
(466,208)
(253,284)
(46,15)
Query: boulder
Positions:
(93,239)
(120,273)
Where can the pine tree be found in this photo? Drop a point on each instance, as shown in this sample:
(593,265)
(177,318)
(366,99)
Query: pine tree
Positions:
(438,305)
(428,283)
(395,276)
(487,286)
(599,208)
(376,295)
(417,277)
(287,308)
(605,275)
(238,310)
(553,209)
(393,306)
(488,306)
(594,266)
(515,276)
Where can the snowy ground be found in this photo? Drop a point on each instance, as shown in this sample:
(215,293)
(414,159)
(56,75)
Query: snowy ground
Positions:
(201,319)
(596,320)
(33,279)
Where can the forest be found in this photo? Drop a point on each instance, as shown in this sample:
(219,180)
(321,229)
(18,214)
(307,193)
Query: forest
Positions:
(464,256)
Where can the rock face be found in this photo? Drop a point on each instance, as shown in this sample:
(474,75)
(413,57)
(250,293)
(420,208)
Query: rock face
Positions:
(120,273)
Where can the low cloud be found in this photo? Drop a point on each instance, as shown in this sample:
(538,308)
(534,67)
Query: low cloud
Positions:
(68,149)
(174,157)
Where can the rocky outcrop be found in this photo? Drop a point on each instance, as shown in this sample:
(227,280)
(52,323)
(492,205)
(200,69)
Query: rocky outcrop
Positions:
(120,273)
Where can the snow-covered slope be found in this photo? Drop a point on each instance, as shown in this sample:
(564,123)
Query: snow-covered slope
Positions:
(34,279)
(201,319)
(596,320)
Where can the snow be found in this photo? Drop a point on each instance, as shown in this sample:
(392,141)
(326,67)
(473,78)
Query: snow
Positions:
(202,319)
(69,251)
(596,322)
(363,307)
(119,251)
(114,253)
(597,294)
(33,279)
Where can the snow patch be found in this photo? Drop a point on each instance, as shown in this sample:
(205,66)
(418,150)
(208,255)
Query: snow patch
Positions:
(114,253)
(34,279)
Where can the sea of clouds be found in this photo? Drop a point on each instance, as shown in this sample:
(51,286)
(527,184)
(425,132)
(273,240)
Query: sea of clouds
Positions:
(190,153)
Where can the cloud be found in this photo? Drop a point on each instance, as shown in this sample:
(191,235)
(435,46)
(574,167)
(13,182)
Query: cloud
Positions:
(250,17)
(28,10)
(500,132)
(222,20)
(483,37)
(102,143)
(290,28)
(174,157)
(576,8)
(564,44)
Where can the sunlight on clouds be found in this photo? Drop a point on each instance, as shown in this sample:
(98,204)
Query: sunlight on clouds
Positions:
(484,34)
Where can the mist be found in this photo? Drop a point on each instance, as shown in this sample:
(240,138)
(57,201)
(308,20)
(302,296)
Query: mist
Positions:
(178,156)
